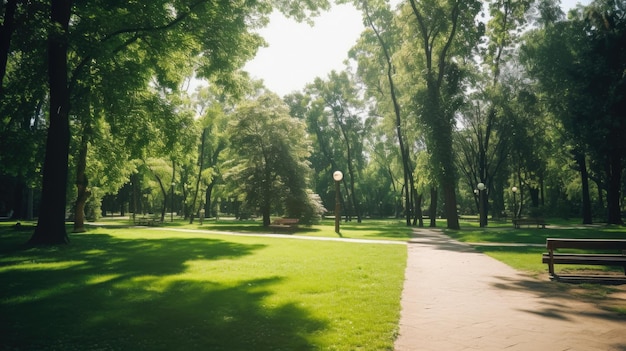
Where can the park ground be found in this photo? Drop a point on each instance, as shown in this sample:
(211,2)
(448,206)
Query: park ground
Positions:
(232,285)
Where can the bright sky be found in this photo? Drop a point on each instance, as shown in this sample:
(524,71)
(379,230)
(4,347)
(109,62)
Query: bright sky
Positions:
(298,53)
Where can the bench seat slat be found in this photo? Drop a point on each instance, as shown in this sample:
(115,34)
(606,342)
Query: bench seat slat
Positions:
(590,259)
(539,222)
(285,223)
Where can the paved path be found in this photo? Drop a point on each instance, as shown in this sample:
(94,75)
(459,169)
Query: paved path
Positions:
(458,299)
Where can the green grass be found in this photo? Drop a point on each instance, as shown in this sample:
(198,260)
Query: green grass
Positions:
(379,229)
(505,234)
(145,289)
(528,257)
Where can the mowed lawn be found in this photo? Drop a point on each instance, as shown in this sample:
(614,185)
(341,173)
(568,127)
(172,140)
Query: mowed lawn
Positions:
(146,289)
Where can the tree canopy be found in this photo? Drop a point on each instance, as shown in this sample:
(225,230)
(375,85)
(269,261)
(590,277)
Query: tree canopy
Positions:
(437,96)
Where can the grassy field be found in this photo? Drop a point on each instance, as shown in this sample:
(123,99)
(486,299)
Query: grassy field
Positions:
(389,229)
(148,289)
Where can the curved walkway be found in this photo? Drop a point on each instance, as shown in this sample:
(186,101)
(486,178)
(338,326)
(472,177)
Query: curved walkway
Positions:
(455,298)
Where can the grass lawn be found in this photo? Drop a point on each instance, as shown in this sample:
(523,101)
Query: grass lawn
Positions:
(146,289)
(381,229)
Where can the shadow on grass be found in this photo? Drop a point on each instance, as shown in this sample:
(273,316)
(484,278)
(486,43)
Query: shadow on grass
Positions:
(258,229)
(107,293)
(532,235)
(559,298)
(377,229)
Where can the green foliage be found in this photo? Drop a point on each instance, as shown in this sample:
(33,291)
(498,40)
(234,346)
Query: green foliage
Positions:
(583,59)
(268,157)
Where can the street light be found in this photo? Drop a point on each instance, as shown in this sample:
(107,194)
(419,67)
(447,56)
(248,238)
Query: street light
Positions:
(514,190)
(481,207)
(172,201)
(337,176)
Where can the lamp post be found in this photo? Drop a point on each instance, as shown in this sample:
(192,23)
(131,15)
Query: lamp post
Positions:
(481,206)
(337,176)
(172,202)
(514,190)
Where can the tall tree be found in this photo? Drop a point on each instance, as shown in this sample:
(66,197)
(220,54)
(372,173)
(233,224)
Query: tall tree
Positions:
(6,32)
(445,32)
(268,156)
(342,108)
(583,59)
(51,225)
(374,53)
(158,33)
(487,120)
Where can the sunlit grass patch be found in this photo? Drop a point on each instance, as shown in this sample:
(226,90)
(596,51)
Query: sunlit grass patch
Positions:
(375,229)
(148,289)
(523,258)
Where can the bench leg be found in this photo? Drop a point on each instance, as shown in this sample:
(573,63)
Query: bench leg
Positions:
(551,264)
(551,269)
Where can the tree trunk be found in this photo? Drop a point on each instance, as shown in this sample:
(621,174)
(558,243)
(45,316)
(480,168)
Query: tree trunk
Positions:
(406,163)
(81,185)
(584,177)
(418,209)
(6,31)
(433,207)
(51,225)
(614,194)
(534,196)
(199,178)
(484,198)
(452,216)
(208,203)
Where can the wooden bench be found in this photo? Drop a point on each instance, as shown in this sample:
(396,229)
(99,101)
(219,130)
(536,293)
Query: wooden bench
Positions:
(285,223)
(614,252)
(148,220)
(519,222)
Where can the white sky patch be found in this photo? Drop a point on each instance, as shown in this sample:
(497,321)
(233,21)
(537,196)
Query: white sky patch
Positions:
(298,53)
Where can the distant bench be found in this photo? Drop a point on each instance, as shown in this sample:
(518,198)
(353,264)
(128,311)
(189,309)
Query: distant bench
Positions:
(148,220)
(285,223)
(617,257)
(538,221)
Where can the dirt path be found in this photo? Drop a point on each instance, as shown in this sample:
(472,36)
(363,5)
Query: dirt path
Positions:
(458,299)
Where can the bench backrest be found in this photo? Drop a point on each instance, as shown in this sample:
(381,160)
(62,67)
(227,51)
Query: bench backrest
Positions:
(286,221)
(591,244)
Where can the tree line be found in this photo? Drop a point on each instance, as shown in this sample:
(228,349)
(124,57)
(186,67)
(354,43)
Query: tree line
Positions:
(438,96)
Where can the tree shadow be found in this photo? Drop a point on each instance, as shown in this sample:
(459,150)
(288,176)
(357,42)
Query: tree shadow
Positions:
(558,298)
(439,241)
(379,230)
(106,293)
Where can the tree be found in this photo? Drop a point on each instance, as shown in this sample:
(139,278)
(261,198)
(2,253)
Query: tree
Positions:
(268,156)
(165,36)
(338,107)
(214,105)
(375,53)
(6,32)
(51,225)
(583,59)
(444,30)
